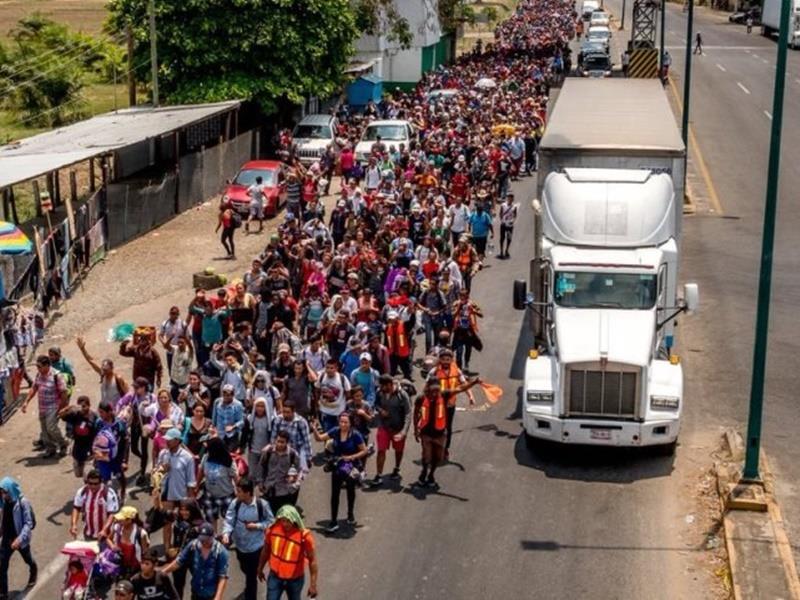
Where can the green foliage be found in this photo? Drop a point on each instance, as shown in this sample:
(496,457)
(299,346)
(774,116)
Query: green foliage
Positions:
(491,14)
(42,74)
(264,50)
(381,17)
(453,13)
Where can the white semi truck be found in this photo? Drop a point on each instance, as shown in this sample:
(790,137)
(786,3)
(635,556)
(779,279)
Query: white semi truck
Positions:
(771,21)
(604,278)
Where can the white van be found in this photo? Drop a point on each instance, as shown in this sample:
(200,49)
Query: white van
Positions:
(589,6)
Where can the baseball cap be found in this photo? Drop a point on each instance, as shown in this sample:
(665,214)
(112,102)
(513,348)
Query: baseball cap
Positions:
(227,388)
(124,586)
(206,531)
(365,356)
(173,434)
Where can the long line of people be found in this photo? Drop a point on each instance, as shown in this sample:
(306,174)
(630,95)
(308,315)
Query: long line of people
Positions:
(322,338)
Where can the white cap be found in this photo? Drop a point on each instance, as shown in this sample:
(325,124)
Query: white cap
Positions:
(365,356)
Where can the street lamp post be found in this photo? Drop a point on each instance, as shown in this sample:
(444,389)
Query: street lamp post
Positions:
(687,78)
(661,46)
(753,446)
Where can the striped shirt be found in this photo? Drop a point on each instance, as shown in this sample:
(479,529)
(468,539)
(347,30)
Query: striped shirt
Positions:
(96,506)
(49,388)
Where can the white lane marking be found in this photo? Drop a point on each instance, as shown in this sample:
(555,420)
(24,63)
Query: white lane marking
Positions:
(766,114)
(756,55)
(53,568)
(721,68)
(764,60)
(744,89)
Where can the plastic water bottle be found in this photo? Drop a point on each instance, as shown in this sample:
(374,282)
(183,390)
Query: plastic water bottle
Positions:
(490,249)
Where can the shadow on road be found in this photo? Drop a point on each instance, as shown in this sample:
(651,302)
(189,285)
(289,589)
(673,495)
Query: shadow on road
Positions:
(593,463)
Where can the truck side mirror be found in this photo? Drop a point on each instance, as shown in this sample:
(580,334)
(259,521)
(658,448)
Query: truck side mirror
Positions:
(691,297)
(520,294)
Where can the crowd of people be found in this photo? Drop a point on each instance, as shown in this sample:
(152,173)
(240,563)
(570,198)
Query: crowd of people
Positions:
(354,328)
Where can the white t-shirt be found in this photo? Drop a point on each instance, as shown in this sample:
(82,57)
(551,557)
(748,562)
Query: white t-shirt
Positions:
(333,392)
(508,214)
(459,217)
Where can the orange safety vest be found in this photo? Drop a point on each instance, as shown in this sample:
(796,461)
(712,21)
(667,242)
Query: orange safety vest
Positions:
(464,260)
(439,416)
(288,552)
(397,340)
(448,380)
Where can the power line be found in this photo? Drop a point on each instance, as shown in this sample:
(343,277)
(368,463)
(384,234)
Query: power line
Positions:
(29,82)
(69,102)
(35,61)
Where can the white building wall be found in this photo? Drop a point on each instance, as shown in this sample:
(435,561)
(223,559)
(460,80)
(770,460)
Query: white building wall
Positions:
(405,65)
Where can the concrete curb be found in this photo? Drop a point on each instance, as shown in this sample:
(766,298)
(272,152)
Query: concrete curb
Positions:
(729,471)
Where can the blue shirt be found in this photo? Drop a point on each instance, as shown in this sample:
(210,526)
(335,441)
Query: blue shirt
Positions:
(368,380)
(247,540)
(480,223)
(206,573)
(228,414)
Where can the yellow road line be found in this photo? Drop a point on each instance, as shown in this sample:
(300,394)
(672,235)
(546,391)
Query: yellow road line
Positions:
(701,163)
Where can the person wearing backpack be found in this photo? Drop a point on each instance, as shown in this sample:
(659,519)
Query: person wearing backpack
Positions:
(281,471)
(97,502)
(208,561)
(246,521)
(17,523)
(229,221)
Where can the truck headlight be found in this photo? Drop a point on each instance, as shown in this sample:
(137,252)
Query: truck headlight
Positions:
(664,402)
(533,397)
(225,197)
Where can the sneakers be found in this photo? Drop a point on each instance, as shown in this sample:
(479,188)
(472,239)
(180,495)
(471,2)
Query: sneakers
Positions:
(332,528)
(63,450)
(351,521)
(141,480)
(431,483)
(50,453)
(395,473)
(376,481)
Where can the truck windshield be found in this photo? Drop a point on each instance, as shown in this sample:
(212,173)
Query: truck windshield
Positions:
(635,291)
(596,63)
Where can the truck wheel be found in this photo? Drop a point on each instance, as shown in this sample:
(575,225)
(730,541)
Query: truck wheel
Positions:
(531,443)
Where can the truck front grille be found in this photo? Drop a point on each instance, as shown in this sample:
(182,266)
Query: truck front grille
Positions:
(607,393)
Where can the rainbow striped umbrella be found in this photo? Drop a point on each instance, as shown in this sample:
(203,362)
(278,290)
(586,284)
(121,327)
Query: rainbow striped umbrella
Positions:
(12,240)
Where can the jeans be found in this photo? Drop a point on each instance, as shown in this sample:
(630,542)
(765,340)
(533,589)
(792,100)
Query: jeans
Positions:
(462,346)
(248,563)
(337,481)
(51,434)
(5,559)
(276,586)
(433,325)
(328,421)
(227,240)
(505,237)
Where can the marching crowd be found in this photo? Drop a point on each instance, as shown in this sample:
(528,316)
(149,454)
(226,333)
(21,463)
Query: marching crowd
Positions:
(355,328)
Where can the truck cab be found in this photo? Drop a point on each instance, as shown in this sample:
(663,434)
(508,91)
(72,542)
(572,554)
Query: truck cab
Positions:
(603,302)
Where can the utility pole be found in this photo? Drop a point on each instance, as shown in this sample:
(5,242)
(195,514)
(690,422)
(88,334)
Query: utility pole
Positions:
(131,72)
(753,446)
(622,20)
(661,45)
(151,9)
(687,79)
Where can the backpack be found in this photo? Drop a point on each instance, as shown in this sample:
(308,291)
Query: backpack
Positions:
(30,510)
(236,220)
(259,506)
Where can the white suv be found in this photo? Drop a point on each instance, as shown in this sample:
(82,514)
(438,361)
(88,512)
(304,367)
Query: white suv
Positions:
(312,135)
(391,133)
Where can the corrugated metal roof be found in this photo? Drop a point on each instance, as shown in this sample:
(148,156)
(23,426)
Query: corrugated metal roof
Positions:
(609,114)
(40,154)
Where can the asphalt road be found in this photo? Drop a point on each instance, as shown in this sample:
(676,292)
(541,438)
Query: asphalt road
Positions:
(731,110)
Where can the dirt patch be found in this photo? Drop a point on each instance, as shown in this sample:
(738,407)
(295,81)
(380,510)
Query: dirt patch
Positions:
(87,16)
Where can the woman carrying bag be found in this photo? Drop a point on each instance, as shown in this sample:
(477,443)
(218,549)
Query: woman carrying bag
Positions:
(348,451)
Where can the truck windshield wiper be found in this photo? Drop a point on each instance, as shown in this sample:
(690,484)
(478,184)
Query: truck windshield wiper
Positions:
(607,305)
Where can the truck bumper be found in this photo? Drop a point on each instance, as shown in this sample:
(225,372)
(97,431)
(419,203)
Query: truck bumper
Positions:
(601,433)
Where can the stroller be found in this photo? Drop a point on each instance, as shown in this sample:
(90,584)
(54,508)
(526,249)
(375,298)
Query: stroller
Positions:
(90,571)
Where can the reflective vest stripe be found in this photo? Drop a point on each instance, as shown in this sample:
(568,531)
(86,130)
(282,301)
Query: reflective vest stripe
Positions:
(439,418)
(448,381)
(285,555)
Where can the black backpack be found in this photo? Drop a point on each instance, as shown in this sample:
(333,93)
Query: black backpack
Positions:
(259,506)
(236,220)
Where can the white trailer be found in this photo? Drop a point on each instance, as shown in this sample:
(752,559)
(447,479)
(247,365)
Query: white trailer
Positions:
(605,273)
(771,21)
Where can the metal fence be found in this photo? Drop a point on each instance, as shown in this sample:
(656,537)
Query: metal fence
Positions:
(136,206)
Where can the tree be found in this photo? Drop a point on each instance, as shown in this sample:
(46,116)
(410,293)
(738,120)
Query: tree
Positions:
(381,17)
(453,13)
(42,73)
(263,50)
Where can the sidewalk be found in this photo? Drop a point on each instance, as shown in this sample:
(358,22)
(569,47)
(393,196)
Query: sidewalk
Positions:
(137,282)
